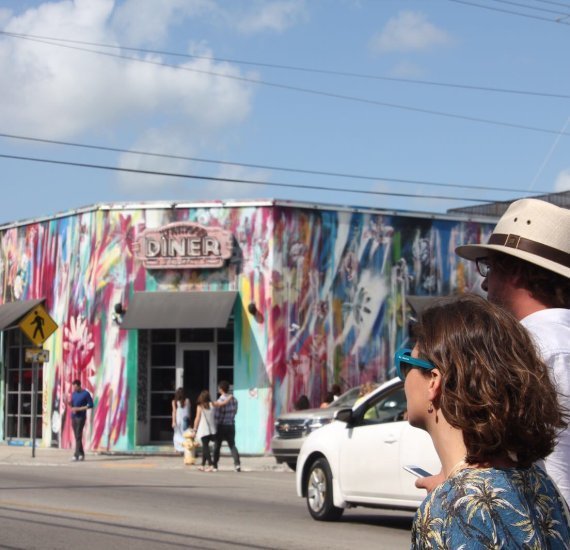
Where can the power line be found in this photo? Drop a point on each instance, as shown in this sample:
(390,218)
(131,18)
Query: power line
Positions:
(529,7)
(510,12)
(554,3)
(234,180)
(293,67)
(263,166)
(312,91)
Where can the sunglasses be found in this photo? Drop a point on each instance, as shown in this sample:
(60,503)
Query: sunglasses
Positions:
(483,266)
(405,362)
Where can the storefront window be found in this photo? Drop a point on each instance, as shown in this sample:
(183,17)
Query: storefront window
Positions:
(163,379)
(194,373)
(19,390)
(163,335)
(197,335)
(163,355)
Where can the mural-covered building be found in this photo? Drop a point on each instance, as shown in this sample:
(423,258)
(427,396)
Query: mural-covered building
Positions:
(279,298)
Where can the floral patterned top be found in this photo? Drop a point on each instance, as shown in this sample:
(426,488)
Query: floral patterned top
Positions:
(494,508)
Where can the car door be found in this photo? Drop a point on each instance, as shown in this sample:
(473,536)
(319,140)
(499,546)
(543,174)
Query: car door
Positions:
(369,458)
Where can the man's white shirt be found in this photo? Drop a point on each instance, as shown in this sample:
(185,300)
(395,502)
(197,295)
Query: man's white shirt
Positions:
(551,331)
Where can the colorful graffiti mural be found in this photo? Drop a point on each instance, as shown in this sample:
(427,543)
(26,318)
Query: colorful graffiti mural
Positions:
(329,288)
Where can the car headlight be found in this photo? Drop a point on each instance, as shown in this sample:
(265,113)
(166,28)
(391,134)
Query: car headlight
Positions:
(315,423)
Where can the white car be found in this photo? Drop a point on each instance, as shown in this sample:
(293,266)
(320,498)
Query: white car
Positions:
(358,459)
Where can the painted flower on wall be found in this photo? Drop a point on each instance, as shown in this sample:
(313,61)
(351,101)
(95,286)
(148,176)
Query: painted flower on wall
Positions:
(78,350)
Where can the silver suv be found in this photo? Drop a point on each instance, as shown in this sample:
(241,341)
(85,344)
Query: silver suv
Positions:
(292,428)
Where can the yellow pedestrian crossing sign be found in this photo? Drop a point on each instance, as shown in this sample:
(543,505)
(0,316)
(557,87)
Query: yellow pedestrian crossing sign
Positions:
(37,325)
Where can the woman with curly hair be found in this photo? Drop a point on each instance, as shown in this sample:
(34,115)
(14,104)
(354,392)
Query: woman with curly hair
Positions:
(475,382)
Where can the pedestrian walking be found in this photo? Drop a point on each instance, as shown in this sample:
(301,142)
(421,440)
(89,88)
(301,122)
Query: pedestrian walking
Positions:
(205,427)
(79,403)
(180,418)
(226,410)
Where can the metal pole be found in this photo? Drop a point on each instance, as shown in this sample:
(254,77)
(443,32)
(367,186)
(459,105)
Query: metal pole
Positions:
(34,405)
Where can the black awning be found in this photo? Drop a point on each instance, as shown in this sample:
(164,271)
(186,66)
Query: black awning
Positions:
(12,312)
(154,310)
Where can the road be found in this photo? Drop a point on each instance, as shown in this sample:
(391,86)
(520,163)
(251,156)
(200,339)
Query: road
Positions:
(123,504)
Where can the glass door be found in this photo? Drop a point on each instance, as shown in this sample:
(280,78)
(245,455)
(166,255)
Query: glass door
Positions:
(197,368)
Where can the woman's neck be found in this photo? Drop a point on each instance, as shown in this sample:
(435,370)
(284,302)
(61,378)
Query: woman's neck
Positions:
(449,445)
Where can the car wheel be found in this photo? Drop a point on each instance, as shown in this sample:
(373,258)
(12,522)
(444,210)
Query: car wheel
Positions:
(319,492)
(292,465)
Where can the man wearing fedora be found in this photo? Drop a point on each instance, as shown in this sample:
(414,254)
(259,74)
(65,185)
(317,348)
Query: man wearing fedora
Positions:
(526,270)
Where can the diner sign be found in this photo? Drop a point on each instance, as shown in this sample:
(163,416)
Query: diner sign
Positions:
(183,245)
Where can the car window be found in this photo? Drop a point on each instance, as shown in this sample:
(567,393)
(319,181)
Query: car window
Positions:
(347,399)
(386,407)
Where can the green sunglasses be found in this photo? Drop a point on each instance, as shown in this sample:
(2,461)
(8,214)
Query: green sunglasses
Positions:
(404,362)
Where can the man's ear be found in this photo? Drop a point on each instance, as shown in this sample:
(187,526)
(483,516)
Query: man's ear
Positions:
(434,385)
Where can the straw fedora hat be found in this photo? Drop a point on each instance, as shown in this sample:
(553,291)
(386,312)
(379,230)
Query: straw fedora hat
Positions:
(532,230)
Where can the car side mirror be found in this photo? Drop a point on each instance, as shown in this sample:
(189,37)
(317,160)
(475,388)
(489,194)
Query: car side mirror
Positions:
(344,415)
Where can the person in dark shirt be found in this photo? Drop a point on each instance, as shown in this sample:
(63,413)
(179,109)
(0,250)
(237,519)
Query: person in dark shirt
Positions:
(80,401)
(226,409)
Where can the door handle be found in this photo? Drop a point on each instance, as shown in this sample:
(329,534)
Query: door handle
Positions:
(390,438)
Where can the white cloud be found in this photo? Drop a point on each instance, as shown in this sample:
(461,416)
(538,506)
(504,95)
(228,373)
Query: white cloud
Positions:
(172,141)
(5,15)
(166,141)
(562,182)
(274,15)
(409,31)
(150,21)
(56,92)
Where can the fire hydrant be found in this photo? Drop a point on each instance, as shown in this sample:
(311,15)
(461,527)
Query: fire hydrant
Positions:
(189,445)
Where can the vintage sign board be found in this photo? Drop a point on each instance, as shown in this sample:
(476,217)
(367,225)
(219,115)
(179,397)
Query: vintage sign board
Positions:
(183,245)
(36,355)
(37,325)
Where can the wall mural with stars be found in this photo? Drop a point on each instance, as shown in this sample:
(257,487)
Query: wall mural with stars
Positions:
(329,288)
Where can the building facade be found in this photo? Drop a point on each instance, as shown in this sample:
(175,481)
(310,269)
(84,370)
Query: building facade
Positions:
(281,299)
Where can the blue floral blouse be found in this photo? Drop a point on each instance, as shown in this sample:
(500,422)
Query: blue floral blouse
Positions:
(494,508)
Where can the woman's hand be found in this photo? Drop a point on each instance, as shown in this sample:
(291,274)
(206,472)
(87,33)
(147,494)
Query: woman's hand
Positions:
(431,482)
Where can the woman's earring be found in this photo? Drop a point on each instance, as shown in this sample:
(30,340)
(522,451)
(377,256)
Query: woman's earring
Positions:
(430,408)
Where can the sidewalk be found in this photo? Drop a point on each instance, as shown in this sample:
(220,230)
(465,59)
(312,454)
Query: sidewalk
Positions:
(22,456)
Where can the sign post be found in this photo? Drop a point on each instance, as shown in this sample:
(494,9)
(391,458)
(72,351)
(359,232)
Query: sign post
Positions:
(36,356)
(38,326)
(34,405)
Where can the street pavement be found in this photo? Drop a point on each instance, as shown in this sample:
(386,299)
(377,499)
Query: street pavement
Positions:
(22,455)
(156,503)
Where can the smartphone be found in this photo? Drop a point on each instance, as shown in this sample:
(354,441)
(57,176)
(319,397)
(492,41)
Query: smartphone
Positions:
(417,471)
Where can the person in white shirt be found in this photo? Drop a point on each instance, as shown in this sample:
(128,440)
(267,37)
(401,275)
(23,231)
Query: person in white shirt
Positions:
(205,426)
(526,270)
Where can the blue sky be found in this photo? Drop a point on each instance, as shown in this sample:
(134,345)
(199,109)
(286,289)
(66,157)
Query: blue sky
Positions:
(211,106)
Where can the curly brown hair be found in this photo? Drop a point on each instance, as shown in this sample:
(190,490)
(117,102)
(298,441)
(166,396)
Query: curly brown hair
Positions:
(494,386)
(550,288)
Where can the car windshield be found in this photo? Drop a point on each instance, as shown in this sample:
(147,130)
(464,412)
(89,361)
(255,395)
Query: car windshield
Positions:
(347,399)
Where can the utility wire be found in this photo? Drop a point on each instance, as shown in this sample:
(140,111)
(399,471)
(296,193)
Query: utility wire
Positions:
(529,7)
(234,180)
(312,91)
(547,158)
(554,3)
(510,12)
(263,166)
(293,67)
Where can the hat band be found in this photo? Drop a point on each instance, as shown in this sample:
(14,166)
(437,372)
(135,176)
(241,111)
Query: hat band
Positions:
(533,247)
